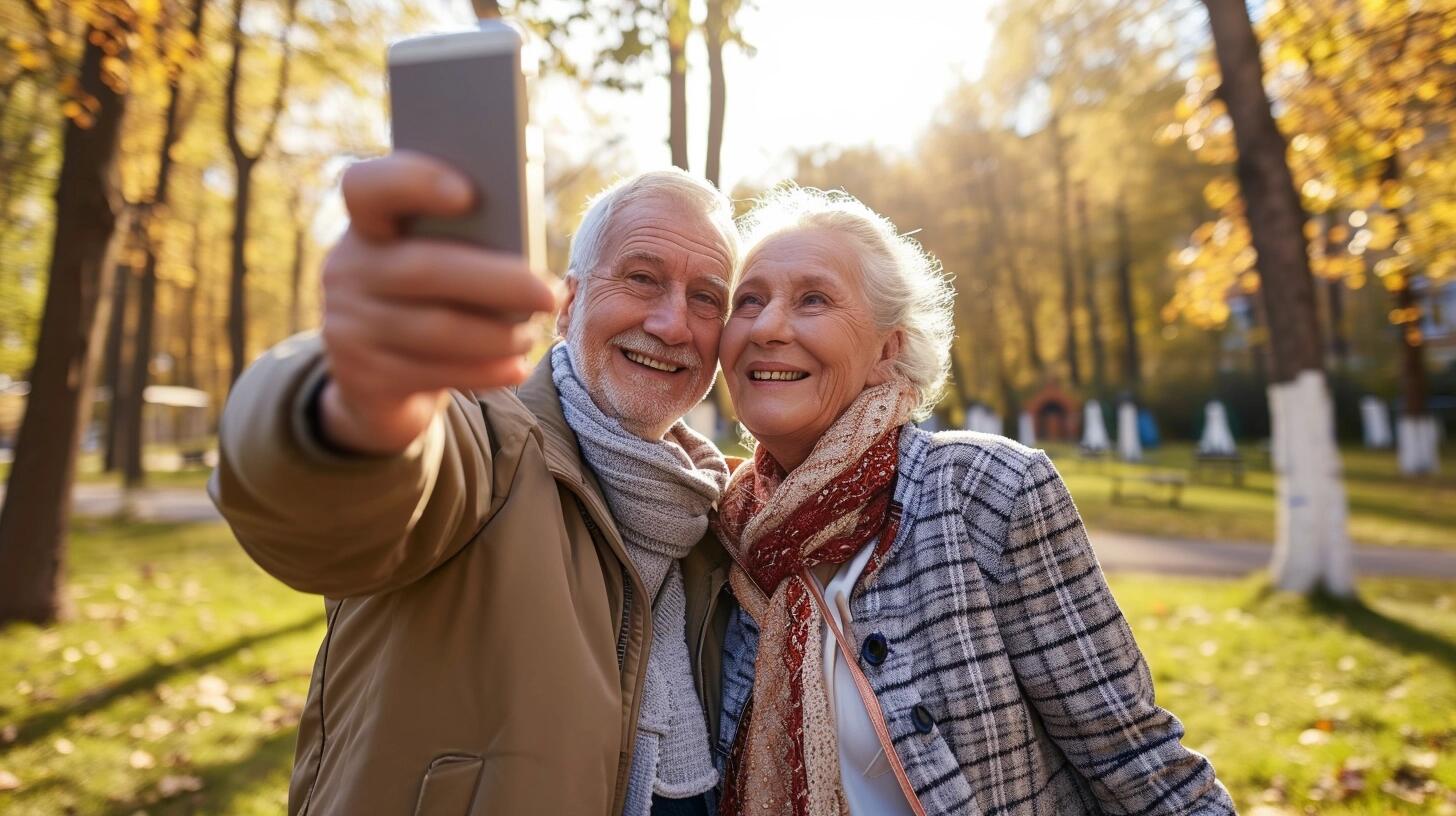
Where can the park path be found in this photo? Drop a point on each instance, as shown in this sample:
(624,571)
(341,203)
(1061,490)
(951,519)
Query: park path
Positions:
(1117,552)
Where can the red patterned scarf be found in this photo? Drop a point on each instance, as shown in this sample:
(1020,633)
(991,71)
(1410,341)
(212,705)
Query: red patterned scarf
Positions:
(785,758)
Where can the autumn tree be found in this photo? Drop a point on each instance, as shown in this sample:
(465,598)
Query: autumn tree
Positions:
(1367,92)
(177,50)
(1312,547)
(34,520)
(244,162)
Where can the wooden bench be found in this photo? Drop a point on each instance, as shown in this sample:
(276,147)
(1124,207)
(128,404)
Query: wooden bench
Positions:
(1232,464)
(195,457)
(1170,483)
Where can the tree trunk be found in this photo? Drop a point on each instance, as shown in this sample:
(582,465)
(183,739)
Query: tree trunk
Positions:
(243,164)
(1131,359)
(1416,438)
(1339,338)
(188,369)
(1010,268)
(237,323)
(1312,547)
(679,23)
(717,88)
(1089,294)
(133,412)
(35,519)
(113,370)
(295,270)
(131,403)
(1064,245)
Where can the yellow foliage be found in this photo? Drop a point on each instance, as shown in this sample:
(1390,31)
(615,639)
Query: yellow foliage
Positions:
(1219,192)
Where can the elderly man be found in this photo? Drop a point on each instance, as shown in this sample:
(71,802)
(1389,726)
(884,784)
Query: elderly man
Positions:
(504,569)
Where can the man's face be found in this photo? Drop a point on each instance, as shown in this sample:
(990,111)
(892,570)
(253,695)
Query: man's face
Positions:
(645,334)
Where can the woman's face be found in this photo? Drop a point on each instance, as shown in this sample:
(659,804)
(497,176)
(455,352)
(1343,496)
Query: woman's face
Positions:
(801,342)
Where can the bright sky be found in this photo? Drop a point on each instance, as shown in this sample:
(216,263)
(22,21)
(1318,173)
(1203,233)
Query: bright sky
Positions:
(826,72)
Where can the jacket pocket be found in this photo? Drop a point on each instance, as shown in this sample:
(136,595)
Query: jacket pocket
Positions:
(449,785)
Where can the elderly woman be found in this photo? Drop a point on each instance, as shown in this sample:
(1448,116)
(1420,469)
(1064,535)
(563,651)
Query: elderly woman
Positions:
(923,625)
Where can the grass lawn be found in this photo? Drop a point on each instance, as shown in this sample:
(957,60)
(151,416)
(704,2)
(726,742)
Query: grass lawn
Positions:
(1386,509)
(176,685)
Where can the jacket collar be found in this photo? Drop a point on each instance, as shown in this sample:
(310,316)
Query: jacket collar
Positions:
(563,454)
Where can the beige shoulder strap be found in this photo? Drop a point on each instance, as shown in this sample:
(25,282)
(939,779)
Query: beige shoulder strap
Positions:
(866,694)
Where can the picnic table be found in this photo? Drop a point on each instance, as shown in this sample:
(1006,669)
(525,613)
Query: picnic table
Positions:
(1229,463)
(1154,487)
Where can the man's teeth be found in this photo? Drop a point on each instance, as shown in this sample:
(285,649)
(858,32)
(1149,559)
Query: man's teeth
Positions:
(777,375)
(649,362)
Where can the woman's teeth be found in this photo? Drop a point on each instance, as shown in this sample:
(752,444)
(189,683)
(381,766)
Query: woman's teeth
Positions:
(777,375)
(649,362)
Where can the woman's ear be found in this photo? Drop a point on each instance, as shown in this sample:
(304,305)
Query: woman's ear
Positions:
(563,317)
(884,368)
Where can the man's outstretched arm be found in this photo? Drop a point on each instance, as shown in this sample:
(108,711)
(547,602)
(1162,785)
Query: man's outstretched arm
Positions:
(350,461)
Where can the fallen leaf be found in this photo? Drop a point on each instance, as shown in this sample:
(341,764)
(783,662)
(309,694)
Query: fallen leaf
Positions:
(9,781)
(64,746)
(1313,736)
(141,760)
(172,785)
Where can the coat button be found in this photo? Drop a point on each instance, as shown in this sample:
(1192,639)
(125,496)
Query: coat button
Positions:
(875,649)
(924,722)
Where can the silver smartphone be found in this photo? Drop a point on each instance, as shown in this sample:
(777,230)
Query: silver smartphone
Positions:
(461,97)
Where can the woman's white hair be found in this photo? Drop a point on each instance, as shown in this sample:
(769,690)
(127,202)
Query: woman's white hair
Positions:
(591,236)
(906,287)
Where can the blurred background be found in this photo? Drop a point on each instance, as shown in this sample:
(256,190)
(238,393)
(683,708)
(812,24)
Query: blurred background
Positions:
(169,184)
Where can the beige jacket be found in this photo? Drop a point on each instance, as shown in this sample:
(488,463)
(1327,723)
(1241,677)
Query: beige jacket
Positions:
(486,633)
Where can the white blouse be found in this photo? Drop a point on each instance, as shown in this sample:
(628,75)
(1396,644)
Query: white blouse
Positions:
(869,784)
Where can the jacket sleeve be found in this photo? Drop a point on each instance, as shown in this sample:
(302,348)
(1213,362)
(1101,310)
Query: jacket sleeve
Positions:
(336,525)
(1079,667)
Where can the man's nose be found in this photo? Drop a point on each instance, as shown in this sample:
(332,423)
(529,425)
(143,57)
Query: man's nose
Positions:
(771,326)
(668,321)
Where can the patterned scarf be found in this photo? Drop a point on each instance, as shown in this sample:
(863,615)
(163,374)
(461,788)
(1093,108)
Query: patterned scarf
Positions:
(785,758)
(660,493)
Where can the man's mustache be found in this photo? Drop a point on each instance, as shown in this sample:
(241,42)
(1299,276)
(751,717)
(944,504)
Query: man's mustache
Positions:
(639,341)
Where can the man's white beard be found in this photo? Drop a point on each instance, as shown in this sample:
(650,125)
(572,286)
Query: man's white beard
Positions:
(646,408)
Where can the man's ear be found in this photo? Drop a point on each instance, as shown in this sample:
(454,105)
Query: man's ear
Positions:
(884,369)
(563,317)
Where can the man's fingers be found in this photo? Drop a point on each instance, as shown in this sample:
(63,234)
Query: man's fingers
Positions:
(381,192)
(439,333)
(495,282)
(389,372)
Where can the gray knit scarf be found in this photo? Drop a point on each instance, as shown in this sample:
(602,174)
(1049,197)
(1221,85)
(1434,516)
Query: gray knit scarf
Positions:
(660,493)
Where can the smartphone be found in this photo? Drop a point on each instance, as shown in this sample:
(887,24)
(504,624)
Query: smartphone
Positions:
(461,97)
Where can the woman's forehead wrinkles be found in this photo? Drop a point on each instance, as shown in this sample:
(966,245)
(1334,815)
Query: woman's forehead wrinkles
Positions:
(810,272)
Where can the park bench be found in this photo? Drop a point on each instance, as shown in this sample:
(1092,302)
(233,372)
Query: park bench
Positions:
(194,457)
(1229,463)
(1149,485)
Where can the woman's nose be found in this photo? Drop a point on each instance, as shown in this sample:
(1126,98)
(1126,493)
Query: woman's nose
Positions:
(772,325)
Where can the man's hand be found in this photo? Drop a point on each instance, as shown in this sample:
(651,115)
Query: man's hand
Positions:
(407,318)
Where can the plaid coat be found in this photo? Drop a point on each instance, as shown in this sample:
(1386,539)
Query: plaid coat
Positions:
(1002,629)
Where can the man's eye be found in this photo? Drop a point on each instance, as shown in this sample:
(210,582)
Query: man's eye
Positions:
(641,277)
(814,299)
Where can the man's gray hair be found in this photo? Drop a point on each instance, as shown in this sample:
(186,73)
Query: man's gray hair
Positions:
(906,287)
(590,238)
